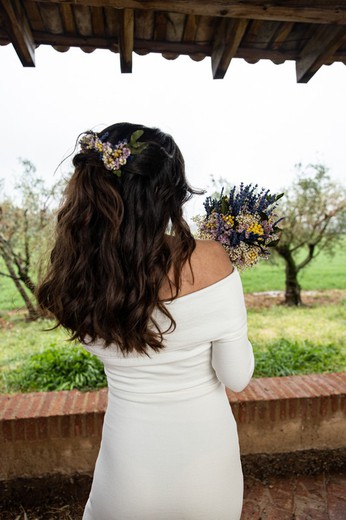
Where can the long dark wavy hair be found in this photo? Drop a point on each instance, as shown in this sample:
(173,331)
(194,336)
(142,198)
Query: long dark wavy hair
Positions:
(111,253)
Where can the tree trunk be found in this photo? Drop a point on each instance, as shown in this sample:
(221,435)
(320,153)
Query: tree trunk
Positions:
(292,292)
(33,313)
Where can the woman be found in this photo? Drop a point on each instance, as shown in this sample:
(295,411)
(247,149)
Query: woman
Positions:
(165,314)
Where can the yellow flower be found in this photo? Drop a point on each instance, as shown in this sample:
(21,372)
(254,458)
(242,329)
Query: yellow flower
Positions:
(257,229)
(228,219)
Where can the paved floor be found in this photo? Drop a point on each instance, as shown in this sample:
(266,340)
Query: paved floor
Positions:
(319,497)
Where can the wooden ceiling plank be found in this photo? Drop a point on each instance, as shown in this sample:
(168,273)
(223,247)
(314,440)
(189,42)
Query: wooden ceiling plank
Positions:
(112,22)
(97,21)
(19,31)
(206,28)
(190,28)
(160,26)
(83,20)
(319,11)
(67,18)
(226,45)
(33,14)
(126,39)
(51,18)
(144,29)
(175,27)
(253,31)
(282,35)
(324,44)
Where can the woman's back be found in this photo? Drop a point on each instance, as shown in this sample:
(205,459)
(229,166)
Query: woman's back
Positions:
(166,316)
(169,446)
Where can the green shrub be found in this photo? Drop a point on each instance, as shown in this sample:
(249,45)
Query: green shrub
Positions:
(285,358)
(57,368)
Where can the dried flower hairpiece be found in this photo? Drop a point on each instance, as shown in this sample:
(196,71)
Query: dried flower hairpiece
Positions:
(113,156)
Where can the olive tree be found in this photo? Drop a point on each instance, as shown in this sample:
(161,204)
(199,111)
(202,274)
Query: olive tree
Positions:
(25,227)
(314,210)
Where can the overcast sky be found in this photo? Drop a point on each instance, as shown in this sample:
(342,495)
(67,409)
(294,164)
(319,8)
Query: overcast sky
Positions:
(254,125)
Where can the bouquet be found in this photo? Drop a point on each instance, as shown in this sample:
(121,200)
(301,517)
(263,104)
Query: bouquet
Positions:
(244,222)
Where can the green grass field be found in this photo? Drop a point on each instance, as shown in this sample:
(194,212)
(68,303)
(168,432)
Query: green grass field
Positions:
(286,340)
(324,272)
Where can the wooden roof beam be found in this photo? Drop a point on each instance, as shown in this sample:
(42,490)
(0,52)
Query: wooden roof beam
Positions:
(304,11)
(316,51)
(126,37)
(226,45)
(18,29)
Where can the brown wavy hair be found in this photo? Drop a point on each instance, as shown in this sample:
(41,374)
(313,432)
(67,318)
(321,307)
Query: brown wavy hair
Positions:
(111,255)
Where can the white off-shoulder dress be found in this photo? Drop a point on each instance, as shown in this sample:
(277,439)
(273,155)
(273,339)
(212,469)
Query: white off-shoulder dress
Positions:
(169,447)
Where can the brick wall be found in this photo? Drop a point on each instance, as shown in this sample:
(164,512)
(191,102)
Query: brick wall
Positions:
(59,432)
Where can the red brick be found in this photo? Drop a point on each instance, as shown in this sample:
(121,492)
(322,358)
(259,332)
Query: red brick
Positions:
(283,409)
(235,410)
(11,408)
(293,408)
(304,383)
(54,427)
(310,510)
(249,394)
(324,405)
(272,410)
(336,508)
(304,408)
(91,402)
(311,487)
(336,486)
(251,411)
(258,389)
(42,427)
(24,407)
(4,399)
(242,415)
(30,429)
(19,430)
(315,407)
(7,430)
(339,380)
(103,398)
(326,386)
(335,402)
(275,513)
(300,388)
(89,421)
(251,510)
(53,403)
(79,402)
(99,422)
(79,426)
(262,411)
(68,406)
(65,426)
(286,386)
(314,385)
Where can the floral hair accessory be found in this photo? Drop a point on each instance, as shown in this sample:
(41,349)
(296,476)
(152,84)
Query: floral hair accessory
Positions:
(113,156)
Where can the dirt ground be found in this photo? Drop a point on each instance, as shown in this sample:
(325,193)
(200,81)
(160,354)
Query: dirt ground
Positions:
(310,298)
(259,300)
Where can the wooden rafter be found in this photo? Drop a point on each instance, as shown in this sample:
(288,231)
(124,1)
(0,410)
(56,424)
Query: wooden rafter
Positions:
(17,26)
(325,43)
(126,35)
(226,45)
(319,11)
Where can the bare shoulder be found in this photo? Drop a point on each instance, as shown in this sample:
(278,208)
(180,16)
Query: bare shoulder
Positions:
(210,263)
